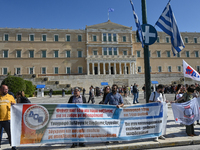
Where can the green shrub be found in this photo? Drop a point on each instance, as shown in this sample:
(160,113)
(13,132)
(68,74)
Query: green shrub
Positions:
(29,88)
(14,84)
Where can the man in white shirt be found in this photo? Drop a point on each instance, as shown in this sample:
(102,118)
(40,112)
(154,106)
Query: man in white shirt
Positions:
(158,96)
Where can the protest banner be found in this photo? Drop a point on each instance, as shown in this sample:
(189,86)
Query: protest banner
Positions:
(70,123)
(186,113)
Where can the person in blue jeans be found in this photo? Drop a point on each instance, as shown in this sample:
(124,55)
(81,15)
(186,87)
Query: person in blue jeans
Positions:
(135,94)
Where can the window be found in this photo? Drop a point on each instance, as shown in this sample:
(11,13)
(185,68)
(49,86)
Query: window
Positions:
(167,39)
(159,69)
(195,40)
(104,51)
(198,68)
(5,71)
(80,69)
(31,37)
(109,37)
(5,53)
(44,37)
(187,53)
(169,69)
(110,50)
(18,54)
(94,38)
(178,54)
(19,37)
(186,40)
(68,70)
(31,70)
(18,70)
(56,53)
(68,38)
(43,70)
(124,38)
(94,52)
(44,55)
(124,52)
(31,54)
(196,53)
(138,53)
(158,54)
(115,51)
(150,68)
(79,53)
(79,38)
(137,40)
(56,38)
(55,70)
(104,37)
(168,54)
(158,39)
(115,37)
(68,54)
(6,37)
(179,68)
(139,69)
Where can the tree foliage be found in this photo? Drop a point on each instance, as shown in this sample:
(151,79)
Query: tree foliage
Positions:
(30,88)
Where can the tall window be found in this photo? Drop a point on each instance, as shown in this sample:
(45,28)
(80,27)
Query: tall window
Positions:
(79,38)
(68,70)
(6,37)
(186,40)
(158,53)
(110,50)
(104,37)
(167,39)
(80,69)
(169,69)
(137,40)
(94,52)
(56,38)
(94,37)
(139,69)
(179,68)
(43,70)
(168,54)
(79,53)
(44,53)
(18,70)
(196,53)
(115,51)
(178,54)
(31,37)
(158,39)
(124,52)
(31,54)
(4,71)
(124,38)
(56,53)
(138,53)
(198,68)
(31,70)
(104,51)
(159,69)
(187,53)
(18,54)
(5,53)
(195,40)
(55,70)
(44,37)
(68,38)
(115,37)
(68,54)
(150,68)
(19,37)
(109,37)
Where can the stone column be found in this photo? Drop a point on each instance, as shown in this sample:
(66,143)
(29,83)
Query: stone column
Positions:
(120,68)
(88,68)
(125,68)
(115,67)
(104,71)
(98,68)
(109,69)
(130,68)
(92,68)
(133,68)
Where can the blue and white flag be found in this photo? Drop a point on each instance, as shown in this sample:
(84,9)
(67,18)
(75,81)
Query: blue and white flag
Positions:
(137,22)
(167,23)
(110,9)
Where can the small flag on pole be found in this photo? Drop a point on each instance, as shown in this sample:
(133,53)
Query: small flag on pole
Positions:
(137,22)
(110,9)
(189,72)
(167,23)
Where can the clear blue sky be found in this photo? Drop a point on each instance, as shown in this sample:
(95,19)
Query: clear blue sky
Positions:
(76,14)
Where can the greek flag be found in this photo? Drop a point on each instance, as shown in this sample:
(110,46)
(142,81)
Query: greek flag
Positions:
(167,23)
(110,9)
(137,22)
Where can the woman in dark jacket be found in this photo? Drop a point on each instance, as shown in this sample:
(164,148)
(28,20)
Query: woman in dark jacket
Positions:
(21,97)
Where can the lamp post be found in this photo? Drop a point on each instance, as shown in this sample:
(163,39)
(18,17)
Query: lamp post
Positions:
(146,56)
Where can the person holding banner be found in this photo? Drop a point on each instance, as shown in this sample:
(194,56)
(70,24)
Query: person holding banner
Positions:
(77,98)
(158,96)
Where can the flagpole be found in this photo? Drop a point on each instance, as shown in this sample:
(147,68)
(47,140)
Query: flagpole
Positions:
(108,15)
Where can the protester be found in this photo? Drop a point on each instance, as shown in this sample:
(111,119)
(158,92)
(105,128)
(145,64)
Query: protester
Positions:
(6,100)
(135,93)
(21,97)
(84,91)
(144,90)
(158,96)
(77,98)
(187,97)
(105,93)
(63,92)
(50,92)
(91,95)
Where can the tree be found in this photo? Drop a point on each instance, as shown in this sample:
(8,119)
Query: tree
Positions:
(30,88)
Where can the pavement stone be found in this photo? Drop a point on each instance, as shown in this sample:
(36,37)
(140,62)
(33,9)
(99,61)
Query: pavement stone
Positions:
(175,133)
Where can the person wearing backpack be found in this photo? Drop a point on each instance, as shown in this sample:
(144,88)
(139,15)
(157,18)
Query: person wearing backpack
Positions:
(158,96)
